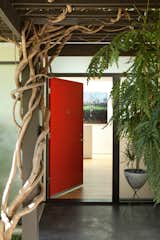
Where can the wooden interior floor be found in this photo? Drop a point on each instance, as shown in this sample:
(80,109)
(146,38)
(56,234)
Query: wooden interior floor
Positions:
(97,180)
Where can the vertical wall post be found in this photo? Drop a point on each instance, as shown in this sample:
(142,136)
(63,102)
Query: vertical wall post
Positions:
(115,175)
(30,222)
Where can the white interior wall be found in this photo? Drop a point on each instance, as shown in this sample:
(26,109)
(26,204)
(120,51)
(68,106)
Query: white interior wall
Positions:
(102,139)
(87,141)
(101,134)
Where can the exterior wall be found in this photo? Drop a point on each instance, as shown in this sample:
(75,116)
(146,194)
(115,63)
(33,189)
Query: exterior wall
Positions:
(8,135)
(8,130)
(8,52)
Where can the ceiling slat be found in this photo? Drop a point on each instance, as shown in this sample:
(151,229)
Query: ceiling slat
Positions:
(10,17)
(85,12)
(87,3)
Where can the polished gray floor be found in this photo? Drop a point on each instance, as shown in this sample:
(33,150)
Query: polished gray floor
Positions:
(73,222)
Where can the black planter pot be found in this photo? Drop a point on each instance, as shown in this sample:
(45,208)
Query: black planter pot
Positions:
(136,178)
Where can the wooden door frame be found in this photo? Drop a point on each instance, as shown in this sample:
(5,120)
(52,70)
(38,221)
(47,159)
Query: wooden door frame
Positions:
(115,165)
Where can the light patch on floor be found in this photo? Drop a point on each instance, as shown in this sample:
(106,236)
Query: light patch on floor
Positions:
(97,180)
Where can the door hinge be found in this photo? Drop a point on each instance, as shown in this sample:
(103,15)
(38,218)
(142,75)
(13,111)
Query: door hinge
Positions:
(49,91)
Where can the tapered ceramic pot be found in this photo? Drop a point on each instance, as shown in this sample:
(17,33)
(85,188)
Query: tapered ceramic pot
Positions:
(136,177)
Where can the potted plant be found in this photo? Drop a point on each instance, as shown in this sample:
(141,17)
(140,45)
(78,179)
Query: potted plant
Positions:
(136,99)
(134,174)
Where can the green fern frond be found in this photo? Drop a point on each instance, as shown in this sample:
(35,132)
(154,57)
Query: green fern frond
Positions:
(136,99)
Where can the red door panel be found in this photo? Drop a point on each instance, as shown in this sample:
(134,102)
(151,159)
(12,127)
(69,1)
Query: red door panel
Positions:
(66,129)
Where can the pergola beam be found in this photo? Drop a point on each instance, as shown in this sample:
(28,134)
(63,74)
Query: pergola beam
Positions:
(84,50)
(10,17)
(82,21)
(86,3)
(85,12)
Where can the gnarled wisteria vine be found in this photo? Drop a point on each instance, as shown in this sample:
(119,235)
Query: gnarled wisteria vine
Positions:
(36,41)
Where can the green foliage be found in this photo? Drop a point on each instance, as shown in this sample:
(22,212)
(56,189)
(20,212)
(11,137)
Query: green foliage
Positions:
(16,238)
(136,99)
(132,160)
(17,234)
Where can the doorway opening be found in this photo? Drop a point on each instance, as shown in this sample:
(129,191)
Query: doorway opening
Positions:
(97,143)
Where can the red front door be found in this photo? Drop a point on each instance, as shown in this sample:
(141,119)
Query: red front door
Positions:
(66,135)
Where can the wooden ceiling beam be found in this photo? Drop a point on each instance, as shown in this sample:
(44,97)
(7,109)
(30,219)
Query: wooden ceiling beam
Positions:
(10,17)
(52,13)
(83,50)
(79,49)
(81,21)
(85,3)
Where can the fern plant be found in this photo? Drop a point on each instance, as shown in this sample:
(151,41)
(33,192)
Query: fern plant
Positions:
(136,99)
(132,161)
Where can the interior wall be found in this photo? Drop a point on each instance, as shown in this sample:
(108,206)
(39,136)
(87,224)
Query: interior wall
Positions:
(102,136)
(102,139)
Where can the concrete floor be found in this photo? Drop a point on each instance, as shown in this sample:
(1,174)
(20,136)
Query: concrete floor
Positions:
(73,222)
